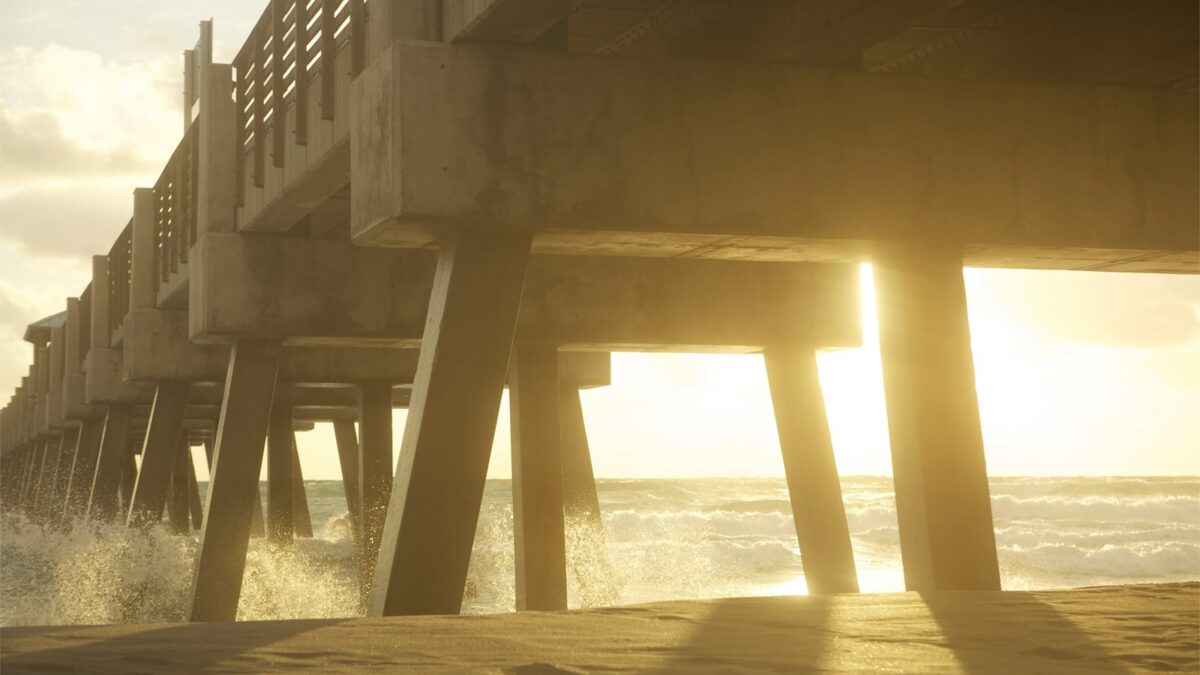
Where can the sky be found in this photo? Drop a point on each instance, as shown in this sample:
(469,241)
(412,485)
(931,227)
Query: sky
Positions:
(1077,373)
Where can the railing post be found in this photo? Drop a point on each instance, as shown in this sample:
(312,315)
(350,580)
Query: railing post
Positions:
(393,20)
(143,286)
(217,165)
(101,327)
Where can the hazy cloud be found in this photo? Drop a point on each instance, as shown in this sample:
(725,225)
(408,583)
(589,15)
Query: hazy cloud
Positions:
(1102,308)
(33,147)
(67,113)
(74,222)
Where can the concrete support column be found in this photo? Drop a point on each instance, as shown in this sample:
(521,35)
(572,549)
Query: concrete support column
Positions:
(83,469)
(280,475)
(233,487)
(258,529)
(347,446)
(194,505)
(301,518)
(587,552)
(46,476)
(434,507)
(177,505)
(943,504)
(581,504)
(29,488)
(811,469)
(374,469)
(110,463)
(62,474)
(128,478)
(159,452)
(538,532)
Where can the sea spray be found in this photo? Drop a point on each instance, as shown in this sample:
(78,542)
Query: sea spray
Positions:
(660,540)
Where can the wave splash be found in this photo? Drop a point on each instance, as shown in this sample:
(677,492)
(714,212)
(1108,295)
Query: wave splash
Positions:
(661,539)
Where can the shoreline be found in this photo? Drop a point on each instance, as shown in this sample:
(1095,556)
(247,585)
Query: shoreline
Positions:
(1095,629)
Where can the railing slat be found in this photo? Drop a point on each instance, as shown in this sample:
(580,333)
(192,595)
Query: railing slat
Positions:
(328,57)
(260,86)
(358,37)
(278,86)
(300,72)
(239,95)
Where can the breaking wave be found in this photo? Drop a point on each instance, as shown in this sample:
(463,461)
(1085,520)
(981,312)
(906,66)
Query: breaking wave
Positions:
(661,539)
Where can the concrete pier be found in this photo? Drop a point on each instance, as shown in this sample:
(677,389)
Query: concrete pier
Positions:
(412,203)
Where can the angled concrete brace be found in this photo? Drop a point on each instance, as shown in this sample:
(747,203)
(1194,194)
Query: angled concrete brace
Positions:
(374,469)
(587,555)
(233,488)
(347,446)
(943,505)
(178,505)
(280,470)
(110,463)
(808,461)
(438,488)
(159,453)
(83,468)
(538,531)
(301,518)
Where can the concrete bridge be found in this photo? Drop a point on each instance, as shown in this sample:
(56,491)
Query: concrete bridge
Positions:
(417,203)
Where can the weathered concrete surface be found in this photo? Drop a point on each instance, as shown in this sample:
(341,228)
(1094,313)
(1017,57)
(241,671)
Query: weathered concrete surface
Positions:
(105,381)
(308,291)
(670,157)
(156,348)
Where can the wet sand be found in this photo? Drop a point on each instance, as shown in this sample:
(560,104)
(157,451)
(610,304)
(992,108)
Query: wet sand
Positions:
(1105,629)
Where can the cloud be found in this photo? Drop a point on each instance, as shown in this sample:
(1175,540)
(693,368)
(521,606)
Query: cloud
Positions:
(35,149)
(1099,308)
(67,113)
(70,222)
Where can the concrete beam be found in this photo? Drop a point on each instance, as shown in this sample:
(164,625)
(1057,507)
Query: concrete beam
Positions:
(308,291)
(678,158)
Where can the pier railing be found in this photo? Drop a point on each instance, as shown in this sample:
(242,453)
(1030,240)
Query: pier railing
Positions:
(120,270)
(288,50)
(175,207)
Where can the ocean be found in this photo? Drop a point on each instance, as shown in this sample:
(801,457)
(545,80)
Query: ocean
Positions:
(662,540)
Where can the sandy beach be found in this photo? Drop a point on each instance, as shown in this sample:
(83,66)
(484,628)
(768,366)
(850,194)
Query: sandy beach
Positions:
(1154,627)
